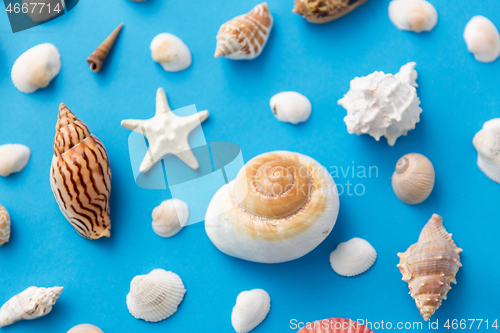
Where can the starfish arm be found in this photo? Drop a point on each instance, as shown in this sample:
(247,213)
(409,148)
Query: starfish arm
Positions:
(148,161)
(132,124)
(161,102)
(203,115)
(188,157)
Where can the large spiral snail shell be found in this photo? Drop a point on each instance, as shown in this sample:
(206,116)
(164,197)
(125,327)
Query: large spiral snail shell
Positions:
(279,208)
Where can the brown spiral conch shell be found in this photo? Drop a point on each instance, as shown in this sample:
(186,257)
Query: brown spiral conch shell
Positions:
(430,265)
(80,176)
(323,11)
(97,57)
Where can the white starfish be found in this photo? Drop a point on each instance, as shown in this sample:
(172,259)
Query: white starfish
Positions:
(167,133)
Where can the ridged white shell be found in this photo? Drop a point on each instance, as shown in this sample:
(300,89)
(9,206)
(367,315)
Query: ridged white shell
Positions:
(155,296)
(353,257)
(36,67)
(4,225)
(413,15)
(487,144)
(171,52)
(251,309)
(482,39)
(170,217)
(13,158)
(290,107)
(85,328)
(413,179)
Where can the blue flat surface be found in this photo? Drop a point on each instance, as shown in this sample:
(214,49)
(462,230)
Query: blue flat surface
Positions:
(458,94)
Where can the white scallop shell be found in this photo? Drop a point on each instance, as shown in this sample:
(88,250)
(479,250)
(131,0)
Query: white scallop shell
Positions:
(487,144)
(155,296)
(251,309)
(171,52)
(4,225)
(85,328)
(482,39)
(170,217)
(353,257)
(413,15)
(36,67)
(291,107)
(13,158)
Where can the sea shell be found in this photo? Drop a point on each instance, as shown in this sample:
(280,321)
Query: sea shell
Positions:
(251,309)
(487,144)
(170,217)
(482,39)
(97,57)
(4,225)
(413,179)
(85,328)
(413,15)
(291,107)
(383,104)
(171,52)
(279,208)
(155,296)
(430,265)
(353,257)
(335,325)
(245,36)
(322,11)
(43,10)
(80,176)
(13,158)
(36,67)
(32,303)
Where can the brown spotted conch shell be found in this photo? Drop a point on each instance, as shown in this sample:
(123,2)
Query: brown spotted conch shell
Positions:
(322,11)
(97,57)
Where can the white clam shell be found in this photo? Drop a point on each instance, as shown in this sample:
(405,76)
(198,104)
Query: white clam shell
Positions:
(4,225)
(13,158)
(291,107)
(36,67)
(155,296)
(251,309)
(482,39)
(487,144)
(353,257)
(85,328)
(171,52)
(170,217)
(413,15)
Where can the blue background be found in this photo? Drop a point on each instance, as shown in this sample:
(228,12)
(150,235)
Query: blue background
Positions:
(458,94)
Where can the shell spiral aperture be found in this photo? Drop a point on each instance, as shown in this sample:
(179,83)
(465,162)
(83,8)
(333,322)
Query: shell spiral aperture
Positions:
(80,176)
(279,208)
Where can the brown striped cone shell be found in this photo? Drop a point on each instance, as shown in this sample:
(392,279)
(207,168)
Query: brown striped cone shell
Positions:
(413,179)
(430,265)
(80,176)
(245,36)
(97,57)
(322,11)
(335,325)
(4,225)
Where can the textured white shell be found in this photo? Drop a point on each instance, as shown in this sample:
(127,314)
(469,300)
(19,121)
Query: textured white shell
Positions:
(85,328)
(171,52)
(36,67)
(353,257)
(383,104)
(4,225)
(414,15)
(487,144)
(482,39)
(170,217)
(250,310)
(13,158)
(155,296)
(291,107)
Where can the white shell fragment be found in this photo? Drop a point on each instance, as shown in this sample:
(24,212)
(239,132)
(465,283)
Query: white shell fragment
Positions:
(413,15)
(171,52)
(482,39)
(170,217)
(250,310)
(13,158)
(36,67)
(32,303)
(353,257)
(4,225)
(290,107)
(383,104)
(155,296)
(487,144)
(85,328)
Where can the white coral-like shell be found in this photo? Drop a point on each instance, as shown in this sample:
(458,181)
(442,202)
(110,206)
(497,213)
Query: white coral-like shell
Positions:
(170,217)
(291,107)
(4,225)
(414,15)
(251,309)
(353,257)
(32,303)
(13,158)
(482,39)
(383,104)
(487,144)
(36,67)
(155,296)
(85,328)
(171,52)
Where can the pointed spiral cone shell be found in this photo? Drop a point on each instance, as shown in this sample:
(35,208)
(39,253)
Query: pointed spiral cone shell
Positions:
(170,217)
(13,158)
(251,309)
(4,225)
(487,144)
(413,179)
(335,325)
(430,265)
(353,257)
(85,328)
(323,11)
(80,176)
(97,57)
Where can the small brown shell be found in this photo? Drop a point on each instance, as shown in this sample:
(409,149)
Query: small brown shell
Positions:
(97,57)
(323,11)
(413,179)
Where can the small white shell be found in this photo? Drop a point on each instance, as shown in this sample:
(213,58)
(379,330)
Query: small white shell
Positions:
(250,310)
(13,158)
(291,107)
(171,52)
(4,225)
(36,67)
(353,257)
(482,39)
(413,179)
(487,144)
(155,296)
(85,328)
(170,217)
(413,15)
